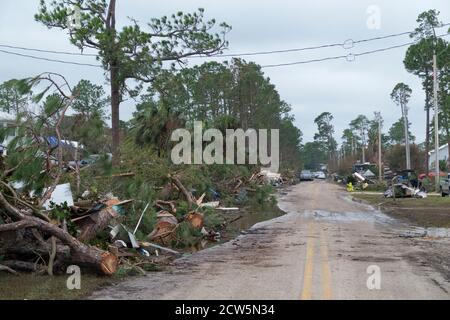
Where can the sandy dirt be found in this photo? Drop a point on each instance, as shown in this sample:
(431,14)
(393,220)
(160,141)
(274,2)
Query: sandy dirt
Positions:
(322,248)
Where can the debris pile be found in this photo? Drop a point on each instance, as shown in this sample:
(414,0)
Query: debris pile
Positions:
(94,233)
(401,190)
(44,228)
(48,231)
(405,185)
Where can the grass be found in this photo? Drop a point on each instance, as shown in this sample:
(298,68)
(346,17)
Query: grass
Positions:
(432,201)
(429,212)
(34,287)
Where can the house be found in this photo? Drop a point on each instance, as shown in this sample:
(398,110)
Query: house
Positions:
(7,120)
(442,154)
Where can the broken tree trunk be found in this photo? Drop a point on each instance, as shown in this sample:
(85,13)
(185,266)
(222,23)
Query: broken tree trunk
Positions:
(162,205)
(32,247)
(28,248)
(188,195)
(80,253)
(21,265)
(98,222)
(8,269)
(195,219)
(164,230)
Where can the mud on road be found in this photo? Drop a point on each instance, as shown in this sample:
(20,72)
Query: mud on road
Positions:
(321,249)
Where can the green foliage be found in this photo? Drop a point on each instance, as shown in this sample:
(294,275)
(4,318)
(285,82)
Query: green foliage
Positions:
(443,167)
(377,187)
(34,151)
(224,96)
(313,154)
(13,97)
(137,53)
(395,158)
(428,21)
(61,213)
(348,138)
(153,124)
(360,128)
(401,94)
(324,136)
(89,99)
(86,124)
(132,52)
(428,184)
(263,195)
(419,61)
(397,133)
(212,220)
(187,235)
(351,179)
(129,269)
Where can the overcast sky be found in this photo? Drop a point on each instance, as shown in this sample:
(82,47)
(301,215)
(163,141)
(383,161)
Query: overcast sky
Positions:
(343,88)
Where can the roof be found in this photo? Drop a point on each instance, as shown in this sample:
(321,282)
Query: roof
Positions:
(53,142)
(4,116)
(440,148)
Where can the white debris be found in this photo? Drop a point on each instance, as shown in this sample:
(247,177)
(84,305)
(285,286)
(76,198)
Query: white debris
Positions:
(271,176)
(213,204)
(368,174)
(62,194)
(359,176)
(228,209)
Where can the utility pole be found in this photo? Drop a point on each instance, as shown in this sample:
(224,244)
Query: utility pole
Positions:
(436,113)
(363,154)
(436,121)
(353,146)
(363,135)
(380,169)
(339,154)
(406,127)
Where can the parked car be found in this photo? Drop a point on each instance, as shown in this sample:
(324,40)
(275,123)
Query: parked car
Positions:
(321,175)
(91,159)
(306,175)
(445,186)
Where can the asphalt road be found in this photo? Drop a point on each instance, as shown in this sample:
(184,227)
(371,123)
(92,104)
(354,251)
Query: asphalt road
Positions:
(325,247)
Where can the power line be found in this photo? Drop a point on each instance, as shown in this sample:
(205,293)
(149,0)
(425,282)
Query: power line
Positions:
(343,44)
(350,57)
(49,51)
(271,52)
(348,42)
(51,60)
(303,62)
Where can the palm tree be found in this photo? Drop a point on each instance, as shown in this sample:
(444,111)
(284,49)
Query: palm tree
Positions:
(154,123)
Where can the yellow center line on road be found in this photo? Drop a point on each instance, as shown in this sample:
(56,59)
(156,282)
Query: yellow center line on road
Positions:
(309,265)
(309,262)
(326,272)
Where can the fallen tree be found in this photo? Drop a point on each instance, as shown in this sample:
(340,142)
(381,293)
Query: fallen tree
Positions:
(80,253)
(18,215)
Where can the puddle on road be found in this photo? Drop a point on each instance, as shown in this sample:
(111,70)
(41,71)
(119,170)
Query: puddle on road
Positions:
(250,217)
(419,232)
(244,219)
(370,216)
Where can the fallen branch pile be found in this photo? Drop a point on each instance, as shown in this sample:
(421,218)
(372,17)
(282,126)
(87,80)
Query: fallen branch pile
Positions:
(69,249)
